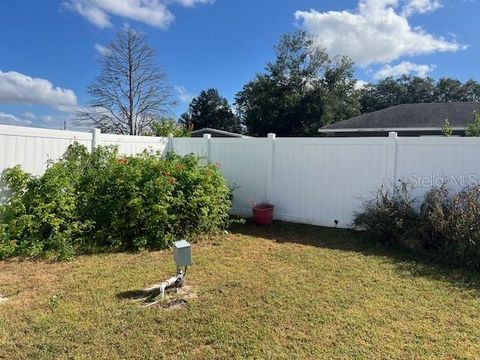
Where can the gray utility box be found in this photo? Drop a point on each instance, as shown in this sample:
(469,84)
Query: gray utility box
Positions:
(182,253)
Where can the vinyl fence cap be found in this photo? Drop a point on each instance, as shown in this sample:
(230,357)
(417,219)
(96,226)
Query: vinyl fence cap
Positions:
(181,244)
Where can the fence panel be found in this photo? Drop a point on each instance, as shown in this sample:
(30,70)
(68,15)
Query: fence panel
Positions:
(130,145)
(33,148)
(428,162)
(313,181)
(318,181)
(184,146)
(244,163)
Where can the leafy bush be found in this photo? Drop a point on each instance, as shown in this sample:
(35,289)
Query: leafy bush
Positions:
(446,225)
(102,201)
(168,126)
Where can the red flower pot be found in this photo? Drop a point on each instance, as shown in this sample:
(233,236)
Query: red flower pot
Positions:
(263,214)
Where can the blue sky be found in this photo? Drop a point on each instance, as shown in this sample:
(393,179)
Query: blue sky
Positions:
(48,50)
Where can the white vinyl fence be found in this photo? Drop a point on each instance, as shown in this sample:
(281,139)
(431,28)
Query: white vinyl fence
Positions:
(32,148)
(324,181)
(321,181)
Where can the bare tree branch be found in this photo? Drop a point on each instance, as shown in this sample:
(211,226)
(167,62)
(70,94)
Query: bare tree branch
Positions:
(131,91)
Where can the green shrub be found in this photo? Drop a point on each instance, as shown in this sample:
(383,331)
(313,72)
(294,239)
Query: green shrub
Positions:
(446,225)
(39,216)
(102,201)
(447,129)
(169,126)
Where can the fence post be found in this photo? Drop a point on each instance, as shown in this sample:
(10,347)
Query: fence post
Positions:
(207,138)
(95,138)
(392,158)
(269,168)
(170,143)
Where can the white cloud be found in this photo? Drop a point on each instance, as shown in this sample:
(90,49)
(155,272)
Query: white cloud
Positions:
(421,7)
(151,12)
(404,68)
(17,88)
(29,115)
(9,119)
(102,50)
(377,32)
(92,13)
(190,3)
(183,94)
(360,84)
(55,121)
(49,121)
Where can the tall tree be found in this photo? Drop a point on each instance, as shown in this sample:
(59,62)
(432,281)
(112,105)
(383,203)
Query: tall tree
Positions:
(210,110)
(301,91)
(132,90)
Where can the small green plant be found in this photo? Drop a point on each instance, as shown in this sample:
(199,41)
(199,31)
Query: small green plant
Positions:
(447,130)
(168,126)
(101,201)
(473,129)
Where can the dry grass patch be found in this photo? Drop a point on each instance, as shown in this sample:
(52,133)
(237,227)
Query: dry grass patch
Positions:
(288,291)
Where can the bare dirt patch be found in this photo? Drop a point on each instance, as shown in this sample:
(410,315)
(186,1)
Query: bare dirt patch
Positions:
(174,304)
(175,299)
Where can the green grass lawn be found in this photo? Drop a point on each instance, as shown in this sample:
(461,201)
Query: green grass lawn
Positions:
(289,291)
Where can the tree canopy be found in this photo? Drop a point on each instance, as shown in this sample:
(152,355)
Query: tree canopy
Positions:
(303,90)
(210,110)
(414,89)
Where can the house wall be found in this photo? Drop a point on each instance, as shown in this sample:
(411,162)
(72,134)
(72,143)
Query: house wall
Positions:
(321,181)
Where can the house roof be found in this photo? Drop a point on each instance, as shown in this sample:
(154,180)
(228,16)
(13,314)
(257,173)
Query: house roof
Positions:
(410,117)
(223,133)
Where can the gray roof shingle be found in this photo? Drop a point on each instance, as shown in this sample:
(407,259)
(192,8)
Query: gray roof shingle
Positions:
(422,115)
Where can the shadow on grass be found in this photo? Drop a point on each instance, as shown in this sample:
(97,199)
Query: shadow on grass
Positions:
(408,263)
(144,295)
